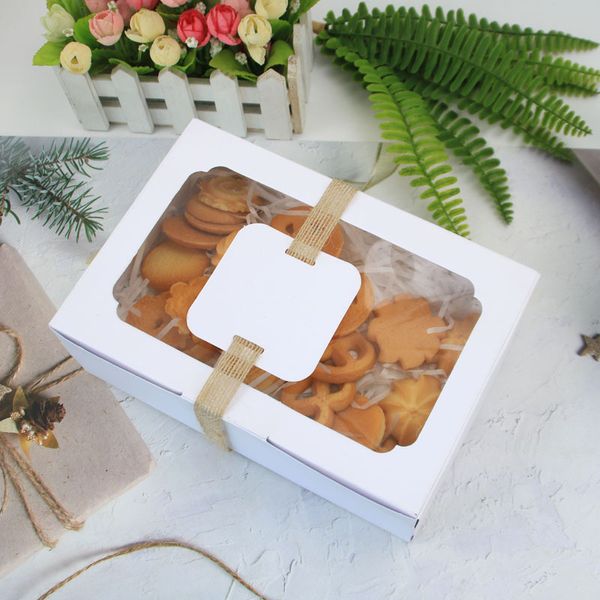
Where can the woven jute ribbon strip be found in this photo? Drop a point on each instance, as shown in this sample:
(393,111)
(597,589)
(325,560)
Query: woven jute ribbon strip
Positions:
(233,366)
(12,462)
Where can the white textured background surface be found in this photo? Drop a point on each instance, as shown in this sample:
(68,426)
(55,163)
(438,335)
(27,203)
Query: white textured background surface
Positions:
(516,515)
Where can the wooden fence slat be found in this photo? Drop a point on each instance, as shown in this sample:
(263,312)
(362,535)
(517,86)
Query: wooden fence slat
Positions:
(83,98)
(296,93)
(306,22)
(228,103)
(178,97)
(301,46)
(132,100)
(274,106)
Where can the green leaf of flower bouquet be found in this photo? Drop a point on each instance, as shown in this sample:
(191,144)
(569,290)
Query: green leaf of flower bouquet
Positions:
(140,70)
(304,6)
(76,8)
(48,54)
(280,52)
(188,62)
(82,33)
(226,63)
(282,30)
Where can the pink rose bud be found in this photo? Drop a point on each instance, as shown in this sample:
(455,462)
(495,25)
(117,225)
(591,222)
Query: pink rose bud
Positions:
(192,26)
(174,3)
(138,4)
(96,6)
(223,22)
(241,7)
(107,27)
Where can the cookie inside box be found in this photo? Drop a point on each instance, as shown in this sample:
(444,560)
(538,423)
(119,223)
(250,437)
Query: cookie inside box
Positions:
(390,356)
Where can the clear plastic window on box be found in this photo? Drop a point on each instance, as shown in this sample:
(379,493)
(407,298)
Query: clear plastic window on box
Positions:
(392,353)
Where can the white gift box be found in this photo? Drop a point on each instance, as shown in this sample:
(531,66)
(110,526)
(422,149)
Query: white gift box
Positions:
(389,489)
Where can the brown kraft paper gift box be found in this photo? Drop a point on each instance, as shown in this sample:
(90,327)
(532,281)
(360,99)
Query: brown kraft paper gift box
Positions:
(101,455)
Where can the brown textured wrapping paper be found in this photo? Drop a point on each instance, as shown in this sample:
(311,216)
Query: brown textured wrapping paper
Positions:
(101,454)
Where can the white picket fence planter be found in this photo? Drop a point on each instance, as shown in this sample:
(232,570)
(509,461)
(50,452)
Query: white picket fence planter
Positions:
(272,104)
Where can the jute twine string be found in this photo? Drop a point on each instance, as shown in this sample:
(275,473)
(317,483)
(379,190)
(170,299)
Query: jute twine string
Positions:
(322,219)
(139,546)
(233,366)
(12,463)
(229,371)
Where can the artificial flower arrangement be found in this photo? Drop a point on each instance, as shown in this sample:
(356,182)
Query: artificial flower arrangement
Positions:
(242,38)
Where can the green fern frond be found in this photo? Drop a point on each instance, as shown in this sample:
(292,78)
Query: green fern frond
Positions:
(513,36)
(405,120)
(516,37)
(532,134)
(464,60)
(461,136)
(573,90)
(557,71)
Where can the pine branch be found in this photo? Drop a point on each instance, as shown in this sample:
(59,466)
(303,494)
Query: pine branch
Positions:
(421,156)
(461,136)
(64,205)
(47,188)
(72,156)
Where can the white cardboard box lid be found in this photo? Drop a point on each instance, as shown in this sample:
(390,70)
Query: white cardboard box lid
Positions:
(402,479)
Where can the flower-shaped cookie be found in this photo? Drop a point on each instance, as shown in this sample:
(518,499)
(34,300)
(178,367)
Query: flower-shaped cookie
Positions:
(182,296)
(401,331)
(318,399)
(407,407)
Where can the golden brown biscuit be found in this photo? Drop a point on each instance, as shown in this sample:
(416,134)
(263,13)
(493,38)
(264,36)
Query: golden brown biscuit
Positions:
(351,357)
(169,263)
(203,212)
(221,248)
(365,426)
(149,315)
(400,329)
(359,310)
(227,192)
(178,230)
(203,351)
(212,228)
(457,336)
(407,407)
(317,399)
(182,296)
(291,223)
(263,381)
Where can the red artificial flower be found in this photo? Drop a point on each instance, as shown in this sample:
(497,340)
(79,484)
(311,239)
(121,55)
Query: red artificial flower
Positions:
(223,22)
(192,25)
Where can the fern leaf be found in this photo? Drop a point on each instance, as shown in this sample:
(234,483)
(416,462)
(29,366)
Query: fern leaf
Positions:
(513,36)
(562,73)
(535,135)
(406,122)
(462,137)
(464,60)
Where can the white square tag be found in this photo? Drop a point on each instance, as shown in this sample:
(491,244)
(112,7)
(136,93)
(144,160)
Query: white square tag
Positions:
(287,307)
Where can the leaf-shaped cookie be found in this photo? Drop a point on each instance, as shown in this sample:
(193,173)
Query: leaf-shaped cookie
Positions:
(400,329)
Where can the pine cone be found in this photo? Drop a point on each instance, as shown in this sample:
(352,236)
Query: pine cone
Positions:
(44,412)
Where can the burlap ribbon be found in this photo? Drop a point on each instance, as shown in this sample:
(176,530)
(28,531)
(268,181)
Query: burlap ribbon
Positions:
(233,366)
(13,464)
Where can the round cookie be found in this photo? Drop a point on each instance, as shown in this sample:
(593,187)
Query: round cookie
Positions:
(365,426)
(169,263)
(179,231)
(221,248)
(359,310)
(203,212)
(227,192)
(214,228)
(291,223)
